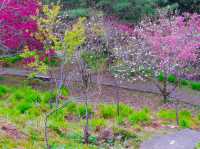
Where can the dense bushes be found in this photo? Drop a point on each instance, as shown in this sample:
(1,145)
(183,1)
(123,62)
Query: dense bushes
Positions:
(185,117)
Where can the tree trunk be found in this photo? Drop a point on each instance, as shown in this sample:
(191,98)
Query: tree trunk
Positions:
(177,113)
(86,131)
(164,93)
(117,97)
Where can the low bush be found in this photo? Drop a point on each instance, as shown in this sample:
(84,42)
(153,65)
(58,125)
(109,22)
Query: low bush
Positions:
(95,123)
(195,86)
(185,114)
(160,76)
(167,114)
(107,111)
(185,122)
(184,82)
(125,110)
(72,108)
(24,106)
(172,78)
(82,110)
(3,90)
(142,116)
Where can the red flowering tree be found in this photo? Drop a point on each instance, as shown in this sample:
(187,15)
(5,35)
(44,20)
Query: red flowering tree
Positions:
(17,24)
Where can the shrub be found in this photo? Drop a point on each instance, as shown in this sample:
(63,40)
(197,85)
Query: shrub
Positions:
(3,90)
(172,78)
(125,110)
(47,96)
(160,76)
(2,78)
(184,82)
(107,111)
(185,114)
(24,106)
(139,117)
(72,108)
(167,114)
(32,95)
(195,86)
(82,110)
(185,122)
(97,123)
(27,93)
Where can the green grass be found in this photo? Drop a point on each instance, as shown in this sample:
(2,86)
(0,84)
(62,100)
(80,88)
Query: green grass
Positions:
(24,108)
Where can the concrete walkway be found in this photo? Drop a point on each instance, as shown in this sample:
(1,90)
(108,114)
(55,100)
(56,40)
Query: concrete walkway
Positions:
(185,139)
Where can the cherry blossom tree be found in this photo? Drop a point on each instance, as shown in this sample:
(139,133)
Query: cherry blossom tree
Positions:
(167,45)
(173,43)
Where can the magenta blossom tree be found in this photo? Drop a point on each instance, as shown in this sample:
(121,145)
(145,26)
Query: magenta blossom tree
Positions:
(17,24)
(167,45)
(173,43)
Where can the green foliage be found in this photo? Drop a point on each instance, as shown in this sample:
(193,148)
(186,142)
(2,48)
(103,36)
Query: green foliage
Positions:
(160,76)
(94,60)
(167,114)
(185,123)
(142,116)
(185,117)
(125,110)
(3,90)
(185,114)
(172,78)
(72,108)
(74,38)
(181,5)
(24,107)
(82,110)
(107,111)
(197,146)
(11,59)
(1,78)
(184,82)
(96,123)
(195,86)
(78,12)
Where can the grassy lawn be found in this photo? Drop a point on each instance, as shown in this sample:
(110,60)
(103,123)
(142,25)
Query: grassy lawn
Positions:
(22,122)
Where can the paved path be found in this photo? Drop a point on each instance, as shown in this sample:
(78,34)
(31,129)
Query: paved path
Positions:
(147,87)
(185,139)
